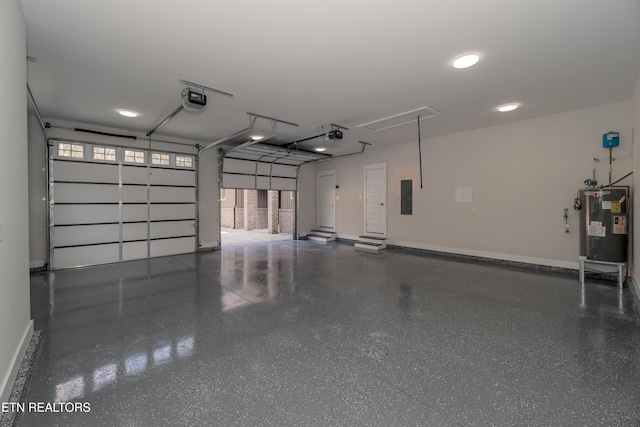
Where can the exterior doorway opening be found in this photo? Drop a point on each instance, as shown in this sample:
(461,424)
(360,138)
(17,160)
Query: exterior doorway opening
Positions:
(256,215)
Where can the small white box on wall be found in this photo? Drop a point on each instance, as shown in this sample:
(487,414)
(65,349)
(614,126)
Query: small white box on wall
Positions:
(464,194)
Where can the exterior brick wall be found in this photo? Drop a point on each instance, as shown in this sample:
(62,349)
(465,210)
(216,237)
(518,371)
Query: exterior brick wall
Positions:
(251,217)
(287,216)
(261,218)
(239,213)
(273,201)
(251,207)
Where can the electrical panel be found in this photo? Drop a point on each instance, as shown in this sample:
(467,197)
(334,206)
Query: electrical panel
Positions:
(406,197)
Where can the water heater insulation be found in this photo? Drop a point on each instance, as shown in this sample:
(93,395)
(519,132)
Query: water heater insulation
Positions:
(604,223)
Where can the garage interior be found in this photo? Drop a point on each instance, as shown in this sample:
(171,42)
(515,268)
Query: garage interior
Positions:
(436,216)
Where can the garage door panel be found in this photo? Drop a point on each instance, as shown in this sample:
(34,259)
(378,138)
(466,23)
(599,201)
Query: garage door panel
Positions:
(86,234)
(264,169)
(134,231)
(172,246)
(172,229)
(169,212)
(106,212)
(85,172)
(86,255)
(134,250)
(172,177)
(239,166)
(134,213)
(84,214)
(242,174)
(283,184)
(238,181)
(134,175)
(94,193)
(287,171)
(263,183)
(173,195)
(134,194)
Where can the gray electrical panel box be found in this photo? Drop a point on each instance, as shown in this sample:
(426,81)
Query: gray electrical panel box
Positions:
(406,197)
(604,223)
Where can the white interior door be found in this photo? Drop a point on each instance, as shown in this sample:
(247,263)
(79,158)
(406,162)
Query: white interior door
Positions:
(375,178)
(327,199)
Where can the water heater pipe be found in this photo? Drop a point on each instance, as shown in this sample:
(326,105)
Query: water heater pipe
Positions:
(610,162)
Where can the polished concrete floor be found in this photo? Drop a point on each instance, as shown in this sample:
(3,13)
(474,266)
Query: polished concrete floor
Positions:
(233,236)
(298,333)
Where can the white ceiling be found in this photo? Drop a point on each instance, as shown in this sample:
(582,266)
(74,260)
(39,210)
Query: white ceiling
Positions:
(319,62)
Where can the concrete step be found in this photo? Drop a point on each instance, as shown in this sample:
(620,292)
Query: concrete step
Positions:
(370,246)
(320,239)
(372,239)
(323,233)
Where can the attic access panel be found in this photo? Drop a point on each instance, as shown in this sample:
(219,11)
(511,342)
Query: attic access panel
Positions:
(263,167)
(401,119)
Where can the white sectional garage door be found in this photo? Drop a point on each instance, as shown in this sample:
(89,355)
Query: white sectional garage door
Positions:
(263,167)
(110,204)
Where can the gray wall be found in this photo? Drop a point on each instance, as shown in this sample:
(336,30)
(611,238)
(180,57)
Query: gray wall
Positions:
(37,191)
(209,195)
(307,196)
(15,324)
(523,175)
(636,184)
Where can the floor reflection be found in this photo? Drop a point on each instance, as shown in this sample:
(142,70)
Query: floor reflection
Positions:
(133,365)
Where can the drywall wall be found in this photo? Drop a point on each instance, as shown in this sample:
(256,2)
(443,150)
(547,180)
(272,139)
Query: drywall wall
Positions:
(37,191)
(16,327)
(307,198)
(523,175)
(635,247)
(209,200)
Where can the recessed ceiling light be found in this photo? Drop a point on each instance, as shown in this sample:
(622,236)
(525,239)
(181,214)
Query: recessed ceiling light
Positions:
(128,113)
(257,137)
(507,107)
(466,61)
(320,149)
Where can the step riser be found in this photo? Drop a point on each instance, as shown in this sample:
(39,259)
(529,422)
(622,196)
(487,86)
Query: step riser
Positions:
(322,234)
(370,247)
(375,241)
(321,239)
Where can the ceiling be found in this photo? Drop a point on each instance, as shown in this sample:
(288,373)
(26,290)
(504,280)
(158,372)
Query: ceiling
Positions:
(315,63)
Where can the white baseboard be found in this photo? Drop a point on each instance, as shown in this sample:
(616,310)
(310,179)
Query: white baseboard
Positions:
(209,245)
(7,382)
(572,265)
(39,263)
(636,284)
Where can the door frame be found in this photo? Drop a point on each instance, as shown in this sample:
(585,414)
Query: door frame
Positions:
(319,174)
(367,168)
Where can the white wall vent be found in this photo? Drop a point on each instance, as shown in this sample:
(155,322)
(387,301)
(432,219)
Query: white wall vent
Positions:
(401,119)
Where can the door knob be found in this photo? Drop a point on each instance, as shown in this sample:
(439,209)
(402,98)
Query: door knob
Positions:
(381,204)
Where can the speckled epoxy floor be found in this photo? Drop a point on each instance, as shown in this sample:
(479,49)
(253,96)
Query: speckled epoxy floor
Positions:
(297,333)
